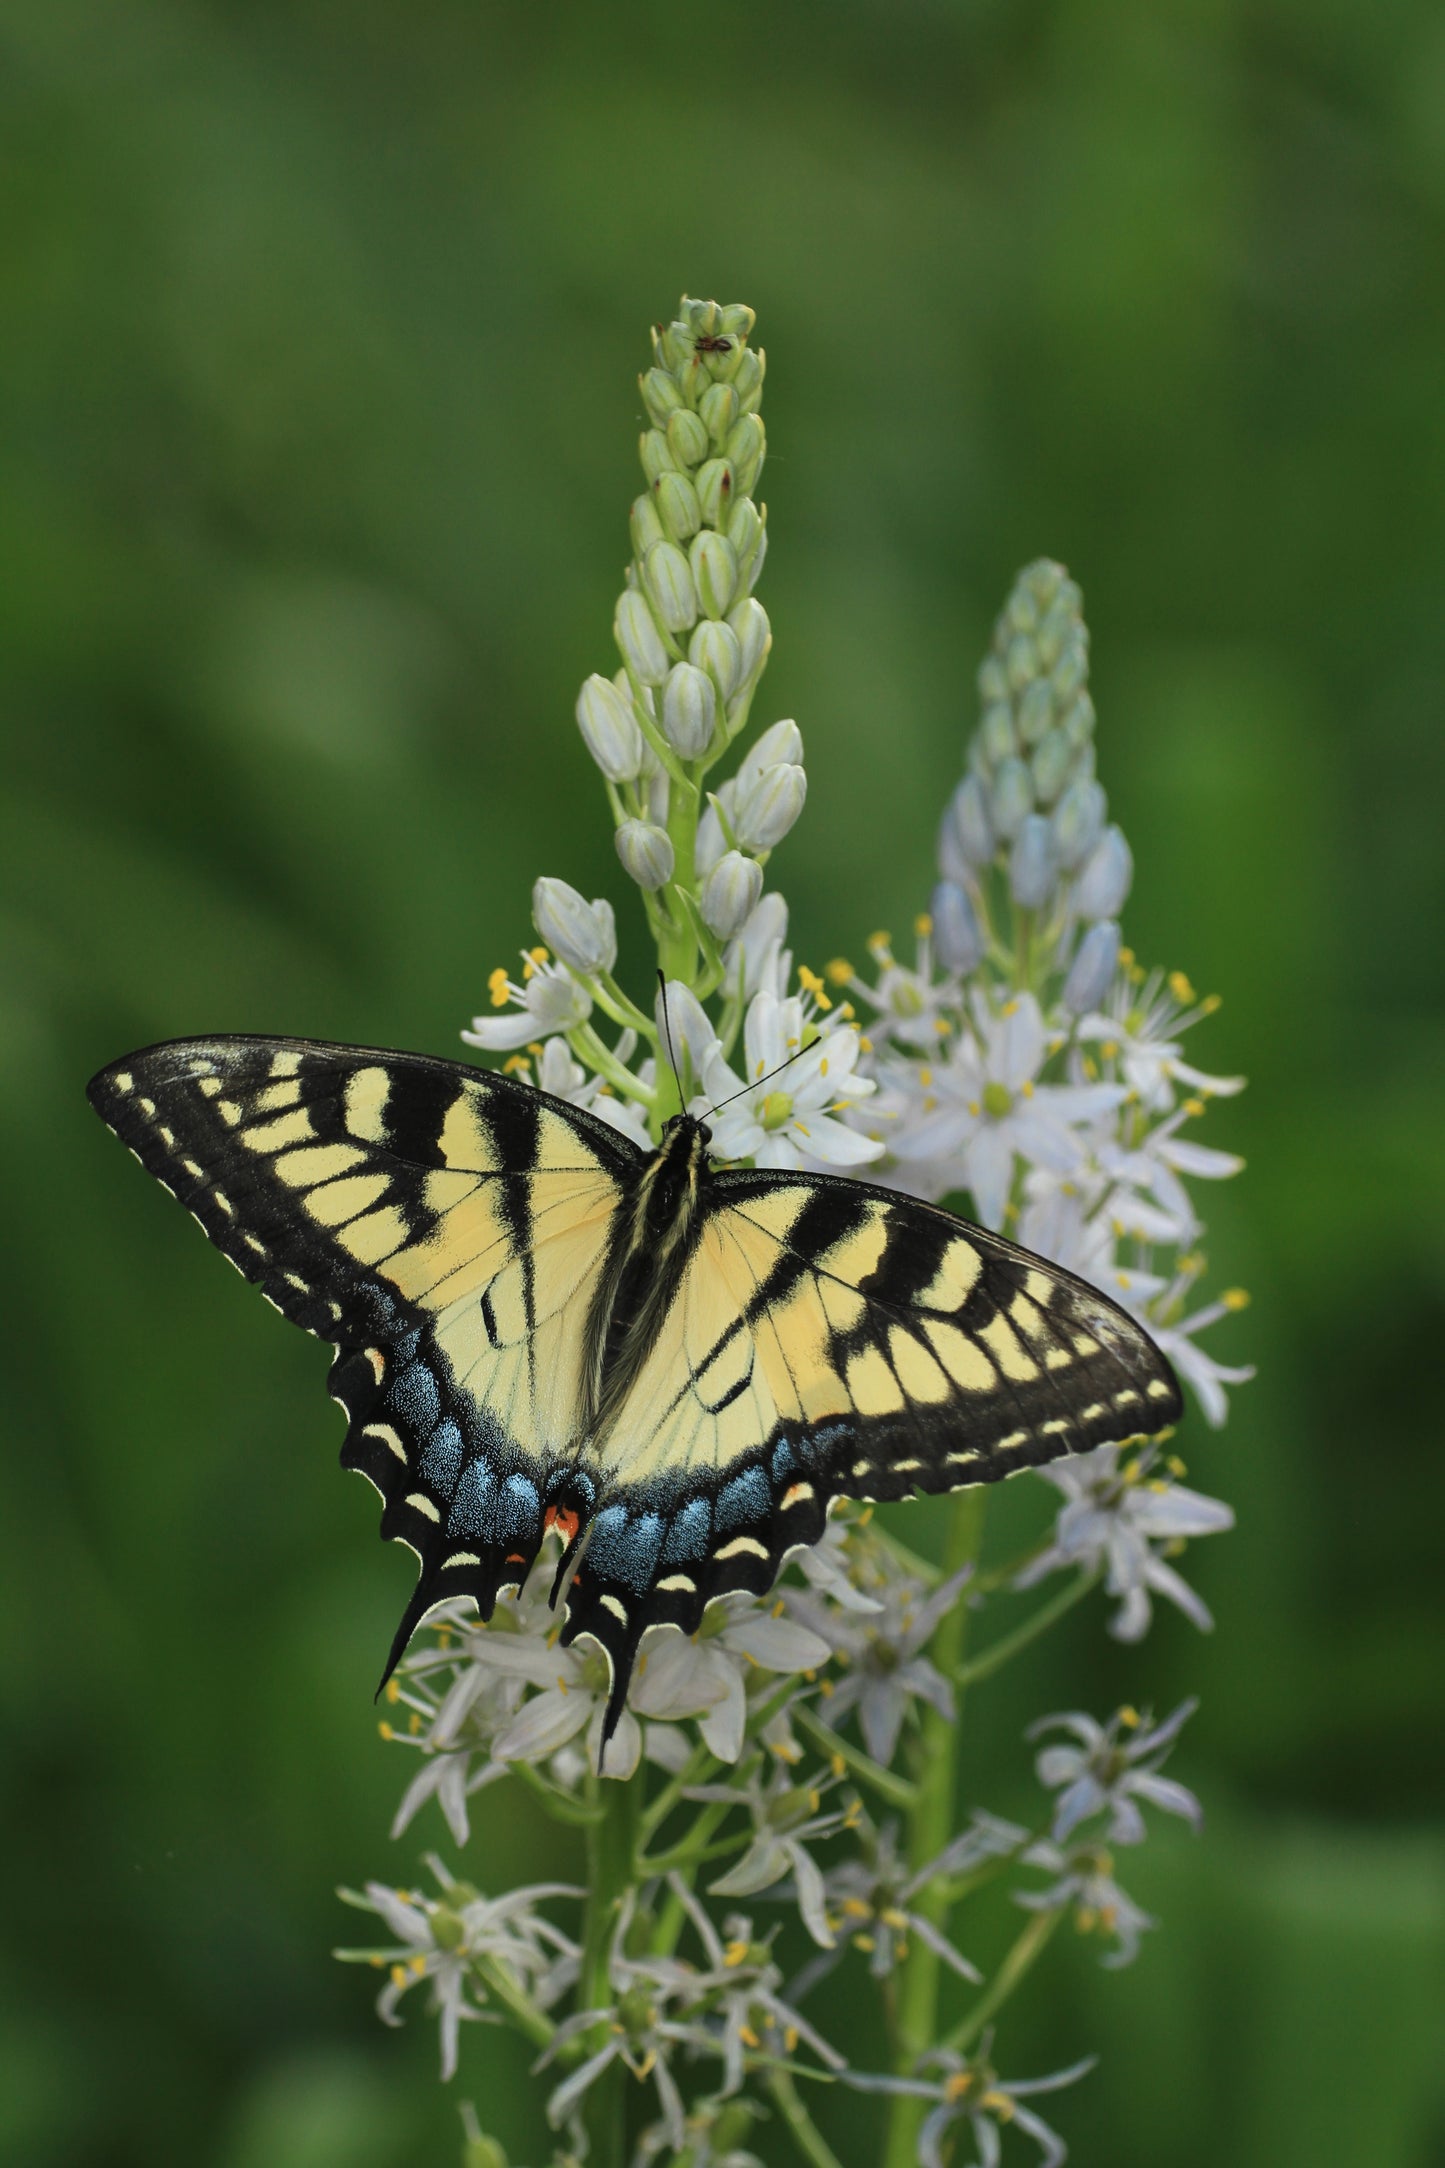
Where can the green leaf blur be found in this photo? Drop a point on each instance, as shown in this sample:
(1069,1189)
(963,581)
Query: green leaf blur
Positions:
(317,422)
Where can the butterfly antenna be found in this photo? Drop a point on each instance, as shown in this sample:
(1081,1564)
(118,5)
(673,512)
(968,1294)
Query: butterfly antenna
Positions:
(786,1062)
(667,1034)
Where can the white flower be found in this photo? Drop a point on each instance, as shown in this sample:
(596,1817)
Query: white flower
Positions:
(757,959)
(565,1078)
(549,999)
(703,1674)
(870,1901)
(1117,1515)
(1139,1029)
(781,1121)
(831,1564)
(1110,1769)
(970,2091)
(786,1818)
(1195,1365)
(984,1107)
(913,1007)
(887,1669)
(1085,1880)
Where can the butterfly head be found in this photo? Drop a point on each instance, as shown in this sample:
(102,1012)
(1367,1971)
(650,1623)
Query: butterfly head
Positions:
(695,1133)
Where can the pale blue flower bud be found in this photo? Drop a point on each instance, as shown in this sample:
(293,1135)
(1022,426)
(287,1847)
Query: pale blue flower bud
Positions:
(730,894)
(660,396)
(996,734)
(969,817)
(716,491)
(770,806)
(1107,878)
(689,710)
(746,445)
(711,842)
(779,742)
(580,934)
(646,853)
(715,648)
(1079,820)
(1036,712)
(640,643)
(1052,761)
(1091,973)
(754,635)
(678,513)
(645,525)
(609,730)
(1032,866)
(669,584)
(655,455)
(718,410)
(686,438)
(957,942)
(683,1022)
(1011,800)
(714,571)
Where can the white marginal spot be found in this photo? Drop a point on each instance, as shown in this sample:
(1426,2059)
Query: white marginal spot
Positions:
(166,1136)
(1015,1437)
(218,1196)
(1056,1428)
(378,1362)
(1127,1398)
(796,1494)
(388,1437)
(1057,1358)
(294,1279)
(1157,1389)
(906,1467)
(461,1558)
(862,1467)
(229,1112)
(147,1107)
(1092,1413)
(960,1460)
(192,1169)
(424,1505)
(210,1085)
(737,1548)
(253,1244)
(616,1607)
(124,1081)
(677,1581)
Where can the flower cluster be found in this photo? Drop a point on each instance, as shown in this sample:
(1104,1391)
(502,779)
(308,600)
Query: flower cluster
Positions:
(798,1751)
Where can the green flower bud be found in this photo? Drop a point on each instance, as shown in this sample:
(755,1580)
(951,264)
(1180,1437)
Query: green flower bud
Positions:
(1021,662)
(716,491)
(737,320)
(689,710)
(640,643)
(746,447)
(1021,611)
(770,806)
(1070,671)
(779,742)
(703,318)
(669,584)
(747,379)
(581,935)
(715,572)
(1051,764)
(686,438)
(714,648)
(1053,634)
(654,452)
(1035,712)
(749,623)
(1078,722)
(746,532)
(992,681)
(718,410)
(996,735)
(678,513)
(1011,800)
(1079,820)
(609,730)
(645,525)
(660,396)
(646,853)
(730,894)
(483,2152)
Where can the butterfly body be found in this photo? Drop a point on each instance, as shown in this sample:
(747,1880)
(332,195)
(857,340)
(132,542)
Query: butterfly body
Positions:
(678,1366)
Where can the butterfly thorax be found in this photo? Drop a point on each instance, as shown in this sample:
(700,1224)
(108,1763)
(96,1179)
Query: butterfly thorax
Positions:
(655,1230)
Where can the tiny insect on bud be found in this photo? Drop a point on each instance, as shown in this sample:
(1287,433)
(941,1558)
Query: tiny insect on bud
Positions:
(678,513)
(670,587)
(1091,973)
(580,934)
(730,894)
(714,567)
(1107,877)
(770,806)
(646,853)
(957,941)
(639,642)
(609,730)
(689,710)
(1032,866)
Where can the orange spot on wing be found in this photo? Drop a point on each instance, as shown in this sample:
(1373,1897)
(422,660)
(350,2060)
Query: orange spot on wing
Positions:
(563,1519)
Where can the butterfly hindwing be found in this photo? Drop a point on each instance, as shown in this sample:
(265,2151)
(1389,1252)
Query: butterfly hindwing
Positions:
(444,1228)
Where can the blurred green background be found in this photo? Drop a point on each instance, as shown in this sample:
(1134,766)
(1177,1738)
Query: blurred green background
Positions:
(317,423)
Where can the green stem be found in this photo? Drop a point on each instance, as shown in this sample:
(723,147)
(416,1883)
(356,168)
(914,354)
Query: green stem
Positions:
(803,2130)
(526,2016)
(896,1790)
(930,1825)
(610,1842)
(1017,1963)
(998,1653)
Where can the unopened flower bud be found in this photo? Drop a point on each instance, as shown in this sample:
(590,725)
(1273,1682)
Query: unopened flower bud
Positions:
(609,730)
(689,710)
(701,317)
(711,842)
(770,806)
(1036,711)
(715,648)
(481,2151)
(1053,759)
(996,734)
(646,853)
(754,570)
(957,942)
(715,572)
(653,451)
(747,379)
(581,934)
(1032,866)
(749,622)
(660,396)
(745,532)
(746,444)
(669,584)
(1091,973)
(676,344)
(1021,662)
(644,525)
(730,894)
(1078,721)
(717,411)
(992,681)
(1070,671)
(686,438)
(969,817)
(1011,800)
(1106,878)
(716,491)
(736,319)
(779,742)
(635,630)
(683,1022)
(1079,820)
(679,515)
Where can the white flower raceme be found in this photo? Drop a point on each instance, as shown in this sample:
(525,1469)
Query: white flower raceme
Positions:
(1121,1517)
(782,1121)
(988,1113)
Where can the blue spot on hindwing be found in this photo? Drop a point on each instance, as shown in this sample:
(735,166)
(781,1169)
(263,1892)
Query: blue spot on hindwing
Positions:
(441,1459)
(623,1549)
(471,1513)
(518,1508)
(746,1498)
(687,1538)
(415,1397)
(785,1460)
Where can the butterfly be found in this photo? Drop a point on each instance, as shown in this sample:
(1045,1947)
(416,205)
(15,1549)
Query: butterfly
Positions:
(676,1366)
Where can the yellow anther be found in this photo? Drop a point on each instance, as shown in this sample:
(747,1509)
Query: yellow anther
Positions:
(955,2087)
(837,1764)
(1210,1003)
(864,1942)
(930,1102)
(393,1690)
(865,1043)
(846,1012)
(1010,1008)
(536,1049)
(1090,1067)
(975,1108)
(923,925)
(925,1078)
(1110,1050)
(1235,1298)
(790,2038)
(498,988)
(385,1729)
(855,1909)
(1121,1279)
(893,1917)
(375,1960)
(1192,1262)
(814,1801)
(1026,1089)
(398,1976)
(1181,989)
(777,1610)
(735,1953)
(413,1723)
(840,971)
(417,1965)
(748,2037)
(812,984)
(825,1686)
(1194,1106)
(1086,1919)
(1129,1717)
(1107,1920)
(998,2104)
(1175,1465)
(880,943)
(516,1065)
(940,1027)
(562,1686)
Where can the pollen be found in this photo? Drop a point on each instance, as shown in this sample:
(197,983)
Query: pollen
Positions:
(812,984)
(393,1691)
(398,1976)
(516,1065)
(1181,989)
(1194,1107)
(839,971)
(385,1729)
(923,925)
(735,1954)
(1235,1298)
(498,987)
(1129,1717)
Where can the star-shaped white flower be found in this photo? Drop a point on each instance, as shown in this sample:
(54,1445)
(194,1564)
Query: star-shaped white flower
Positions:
(785,1120)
